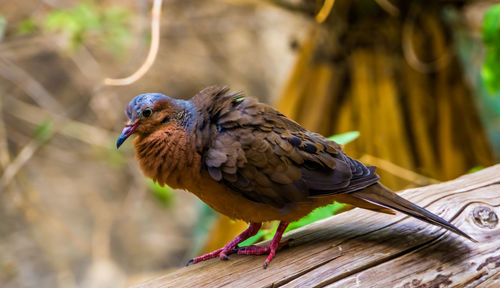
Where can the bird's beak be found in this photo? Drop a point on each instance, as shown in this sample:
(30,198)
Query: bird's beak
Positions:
(127,131)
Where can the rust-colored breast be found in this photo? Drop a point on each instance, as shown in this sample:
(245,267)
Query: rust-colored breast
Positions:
(168,157)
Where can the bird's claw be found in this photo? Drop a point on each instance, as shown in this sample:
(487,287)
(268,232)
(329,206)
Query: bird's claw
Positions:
(223,256)
(189,261)
(233,247)
(266,263)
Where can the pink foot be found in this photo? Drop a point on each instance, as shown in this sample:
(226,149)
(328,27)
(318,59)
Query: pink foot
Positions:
(258,250)
(230,247)
(207,256)
(271,248)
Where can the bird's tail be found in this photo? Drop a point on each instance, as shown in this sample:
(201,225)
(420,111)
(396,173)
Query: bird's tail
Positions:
(380,195)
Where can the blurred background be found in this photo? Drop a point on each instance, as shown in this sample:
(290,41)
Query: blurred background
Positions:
(414,84)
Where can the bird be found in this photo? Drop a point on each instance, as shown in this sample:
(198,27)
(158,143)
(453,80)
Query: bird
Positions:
(250,162)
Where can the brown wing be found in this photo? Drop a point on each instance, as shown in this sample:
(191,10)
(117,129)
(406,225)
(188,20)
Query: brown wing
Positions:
(268,158)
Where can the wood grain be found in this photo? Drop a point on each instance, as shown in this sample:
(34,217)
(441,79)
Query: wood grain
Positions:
(364,249)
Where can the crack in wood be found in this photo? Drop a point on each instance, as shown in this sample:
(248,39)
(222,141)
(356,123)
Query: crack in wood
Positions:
(297,275)
(490,260)
(407,251)
(373,264)
(439,280)
(383,260)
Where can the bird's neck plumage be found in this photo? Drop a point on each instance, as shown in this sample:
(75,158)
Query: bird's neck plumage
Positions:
(207,106)
(168,156)
(174,156)
(186,117)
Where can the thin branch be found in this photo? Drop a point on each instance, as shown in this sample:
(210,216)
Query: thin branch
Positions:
(22,158)
(324,11)
(153,50)
(20,48)
(399,171)
(29,85)
(78,130)
(296,6)
(38,93)
(4,148)
(87,64)
(290,5)
(63,125)
(388,7)
(411,56)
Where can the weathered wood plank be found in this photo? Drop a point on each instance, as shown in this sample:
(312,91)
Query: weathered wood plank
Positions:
(365,249)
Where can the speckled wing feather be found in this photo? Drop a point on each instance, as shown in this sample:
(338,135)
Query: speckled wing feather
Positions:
(268,158)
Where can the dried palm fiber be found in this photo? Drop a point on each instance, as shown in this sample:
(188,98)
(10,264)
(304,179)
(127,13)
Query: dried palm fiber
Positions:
(419,117)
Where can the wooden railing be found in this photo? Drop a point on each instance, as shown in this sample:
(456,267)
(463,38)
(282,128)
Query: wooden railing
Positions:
(361,248)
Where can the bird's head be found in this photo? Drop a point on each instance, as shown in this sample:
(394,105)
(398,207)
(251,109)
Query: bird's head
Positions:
(149,112)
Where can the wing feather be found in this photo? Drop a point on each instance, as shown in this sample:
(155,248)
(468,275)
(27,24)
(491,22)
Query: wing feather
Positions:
(270,159)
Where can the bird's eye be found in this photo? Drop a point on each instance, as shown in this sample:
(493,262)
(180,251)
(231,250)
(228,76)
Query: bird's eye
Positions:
(146,113)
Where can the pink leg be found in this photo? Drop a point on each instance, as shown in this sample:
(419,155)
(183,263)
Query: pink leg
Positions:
(258,250)
(271,248)
(230,247)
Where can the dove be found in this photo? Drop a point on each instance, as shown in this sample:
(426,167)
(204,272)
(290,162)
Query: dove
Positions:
(248,161)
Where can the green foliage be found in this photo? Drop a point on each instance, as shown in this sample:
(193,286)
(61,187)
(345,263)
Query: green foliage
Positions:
(490,71)
(108,25)
(3,26)
(165,194)
(317,214)
(475,169)
(27,26)
(345,138)
(43,130)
